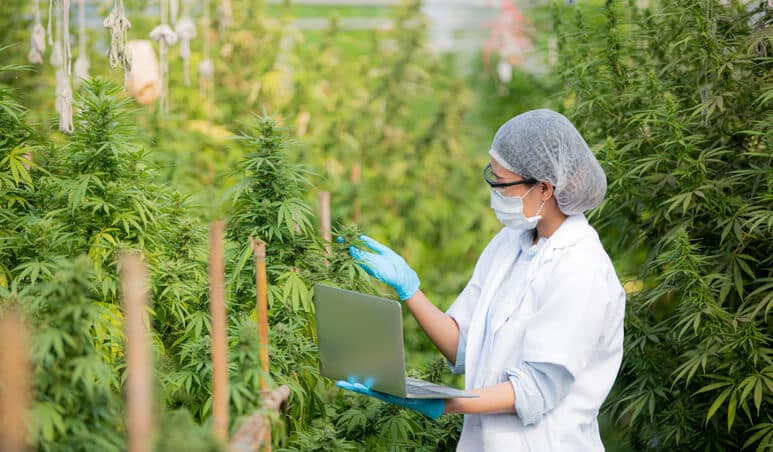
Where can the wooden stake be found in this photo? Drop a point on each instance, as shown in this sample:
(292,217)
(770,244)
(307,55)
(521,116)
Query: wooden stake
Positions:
(255,432)
(261,308)
(356,174)
(14,379)
(324,219)
(219,334)
(261,312)
(139,384)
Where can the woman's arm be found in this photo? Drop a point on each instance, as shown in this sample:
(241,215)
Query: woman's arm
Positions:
(499,398)
(441,329)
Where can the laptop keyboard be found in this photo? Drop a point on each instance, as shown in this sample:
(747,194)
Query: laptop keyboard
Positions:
(418,387)
(420,390)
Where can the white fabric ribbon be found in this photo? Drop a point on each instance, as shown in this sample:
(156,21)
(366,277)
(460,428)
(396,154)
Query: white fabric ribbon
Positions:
(186,31)
(163,34)
(37,39)
(165,37)
(118,24)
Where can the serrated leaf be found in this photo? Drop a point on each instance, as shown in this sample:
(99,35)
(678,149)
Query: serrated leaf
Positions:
(717,403)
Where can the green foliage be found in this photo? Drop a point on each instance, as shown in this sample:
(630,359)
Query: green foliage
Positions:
(393,109)
(99,184)
(88,199)
(16,183)
(267,205)
(677,102)
(77,382)
(379,426)
(179,431)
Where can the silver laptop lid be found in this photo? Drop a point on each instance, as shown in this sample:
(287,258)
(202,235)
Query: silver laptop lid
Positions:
(360,337)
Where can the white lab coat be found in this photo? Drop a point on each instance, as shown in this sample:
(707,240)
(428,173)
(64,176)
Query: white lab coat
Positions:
(571,314)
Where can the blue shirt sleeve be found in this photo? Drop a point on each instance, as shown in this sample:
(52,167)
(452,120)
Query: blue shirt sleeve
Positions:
(538,388)
(458,367)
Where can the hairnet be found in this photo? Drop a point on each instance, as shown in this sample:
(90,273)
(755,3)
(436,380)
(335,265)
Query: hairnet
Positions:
(544,145)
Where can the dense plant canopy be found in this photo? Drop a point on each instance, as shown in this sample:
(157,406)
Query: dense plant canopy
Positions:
(678,101)
(675,100)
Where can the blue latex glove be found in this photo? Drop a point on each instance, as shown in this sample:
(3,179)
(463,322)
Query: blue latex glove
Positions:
(432,408)
(386,266)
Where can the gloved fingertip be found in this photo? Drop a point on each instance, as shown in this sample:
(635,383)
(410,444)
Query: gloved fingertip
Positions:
(435,414)
(372,244)
(344,385)
(340,239)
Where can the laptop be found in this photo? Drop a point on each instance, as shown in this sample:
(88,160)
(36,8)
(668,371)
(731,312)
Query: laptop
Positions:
(361,340)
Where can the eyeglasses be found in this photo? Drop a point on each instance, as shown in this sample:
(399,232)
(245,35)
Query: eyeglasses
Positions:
(490,178)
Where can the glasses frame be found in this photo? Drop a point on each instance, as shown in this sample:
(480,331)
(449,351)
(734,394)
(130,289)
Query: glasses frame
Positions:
(494,184)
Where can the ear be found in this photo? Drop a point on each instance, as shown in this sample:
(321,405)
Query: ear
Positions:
(546,190)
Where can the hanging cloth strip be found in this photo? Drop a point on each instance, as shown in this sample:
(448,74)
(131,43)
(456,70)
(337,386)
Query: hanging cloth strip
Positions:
(118,54)
(174,9)
(50,18)
(226,15)
(186,31)
(82,63)
(206,66)
(38,38)
(61,59)
(165,37)
(57,61)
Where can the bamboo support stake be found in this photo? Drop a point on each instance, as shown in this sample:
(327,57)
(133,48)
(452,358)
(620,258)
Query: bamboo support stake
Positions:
(324,219)
(261,312)
(261,309)
(139,384)
(255,432)
(14,378)
(356,175)
(219,335)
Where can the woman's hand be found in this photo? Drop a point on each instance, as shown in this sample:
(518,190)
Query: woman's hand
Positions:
(389,267)
(386,266)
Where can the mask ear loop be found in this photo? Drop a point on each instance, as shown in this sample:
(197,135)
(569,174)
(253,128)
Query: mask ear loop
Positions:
(528,191)
(535,234)
(540,206)
(540,209)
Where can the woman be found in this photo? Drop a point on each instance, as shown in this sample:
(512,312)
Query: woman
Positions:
(538,330)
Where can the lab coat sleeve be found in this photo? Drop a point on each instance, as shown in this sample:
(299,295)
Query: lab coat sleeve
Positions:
(538,388)
(570,313)
(464,306)
(457,368)
(461,312)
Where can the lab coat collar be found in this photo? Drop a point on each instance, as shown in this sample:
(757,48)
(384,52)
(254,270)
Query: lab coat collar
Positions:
(574,228)
(571,231)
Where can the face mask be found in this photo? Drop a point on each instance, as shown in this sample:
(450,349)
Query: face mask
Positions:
(509,211)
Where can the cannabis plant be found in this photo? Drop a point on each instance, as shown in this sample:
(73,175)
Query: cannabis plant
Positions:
(78,399)
(16,178)
(676,99)
(267,204)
